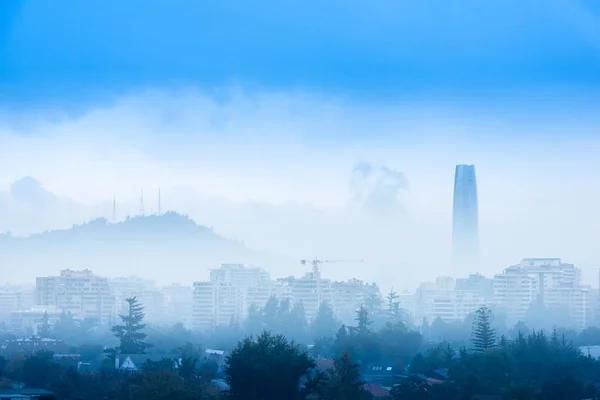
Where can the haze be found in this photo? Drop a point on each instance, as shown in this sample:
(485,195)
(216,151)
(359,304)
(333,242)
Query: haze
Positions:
(276,142)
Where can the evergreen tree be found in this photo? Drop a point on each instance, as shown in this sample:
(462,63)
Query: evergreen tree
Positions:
(66,326)
(130,333)
(254,321)
(44,330)
(270,313)
(363,321)
(343,381)
(393,305)
(298,323)
(483,336)
(325,324)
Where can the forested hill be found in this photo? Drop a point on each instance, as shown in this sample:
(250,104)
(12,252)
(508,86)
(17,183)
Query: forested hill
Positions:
(168,247)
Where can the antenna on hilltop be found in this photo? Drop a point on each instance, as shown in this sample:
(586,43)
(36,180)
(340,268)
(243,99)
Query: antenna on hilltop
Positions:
(114,212)
(159,209)
(142,204)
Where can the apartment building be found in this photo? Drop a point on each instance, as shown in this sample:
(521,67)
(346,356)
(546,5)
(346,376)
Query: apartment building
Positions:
(177,304)
(82,293)
(216,303)
(234,288)
(443,299)
(15,298)
(551,282)
(30,320)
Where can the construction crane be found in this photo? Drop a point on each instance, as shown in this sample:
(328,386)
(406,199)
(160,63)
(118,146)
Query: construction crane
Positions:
(315,264)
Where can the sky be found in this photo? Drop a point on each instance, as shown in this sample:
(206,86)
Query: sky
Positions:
(305,128)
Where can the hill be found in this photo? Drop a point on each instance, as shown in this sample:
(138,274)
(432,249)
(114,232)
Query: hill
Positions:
(170,247)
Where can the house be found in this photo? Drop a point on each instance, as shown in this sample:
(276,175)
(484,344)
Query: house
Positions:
(384,373)
(218,356)
(377,391)
(134,362)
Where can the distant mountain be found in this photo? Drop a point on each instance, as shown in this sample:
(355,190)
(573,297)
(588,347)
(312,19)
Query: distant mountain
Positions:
(169,247)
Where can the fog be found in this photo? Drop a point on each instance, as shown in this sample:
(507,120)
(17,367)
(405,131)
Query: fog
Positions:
(297,174)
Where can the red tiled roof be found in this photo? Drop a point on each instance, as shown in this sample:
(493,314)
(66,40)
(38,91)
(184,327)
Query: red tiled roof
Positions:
(376,390)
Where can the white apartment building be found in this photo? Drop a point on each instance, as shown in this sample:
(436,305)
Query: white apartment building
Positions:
(234,288)
(15,298)
(346,297)
(229,293)
(239,275)
(216,303)
(548,280)
(31,319)
(82,293)
(123,288)
(443,300)
(178,304)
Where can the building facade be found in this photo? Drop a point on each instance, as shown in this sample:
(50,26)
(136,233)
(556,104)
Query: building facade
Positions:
(465,221)
(82,293)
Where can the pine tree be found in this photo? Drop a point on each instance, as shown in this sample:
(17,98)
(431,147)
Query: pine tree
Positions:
(483,336)
(44,330)
(363,321)
(298,320)
(130,333)
(344,381)
(325,324)
(393,305)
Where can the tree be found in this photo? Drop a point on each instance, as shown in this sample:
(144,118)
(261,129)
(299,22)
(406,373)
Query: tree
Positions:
(66,326)
(130,333)
(44,330)
(363,321)
(325,324)
(412,389)
(343,381)
(393,305)
(266,368)
(298,321)
(483,336)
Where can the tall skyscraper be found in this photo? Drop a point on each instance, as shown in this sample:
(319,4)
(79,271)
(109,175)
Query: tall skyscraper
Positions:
(465,221)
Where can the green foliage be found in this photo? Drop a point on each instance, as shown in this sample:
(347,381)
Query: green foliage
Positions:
(359,341)
(268,367)
(411,389)
(130,333)
(162,365)
(483,335)
(44,330)
(278,316)
(343,381)
(325,323)
(209,370)
(162,385)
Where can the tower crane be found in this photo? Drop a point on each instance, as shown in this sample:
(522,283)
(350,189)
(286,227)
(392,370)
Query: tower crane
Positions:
(315,264)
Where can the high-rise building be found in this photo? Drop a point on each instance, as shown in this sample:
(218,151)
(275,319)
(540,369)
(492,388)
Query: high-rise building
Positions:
(465,221)
(546,281)
(82,293)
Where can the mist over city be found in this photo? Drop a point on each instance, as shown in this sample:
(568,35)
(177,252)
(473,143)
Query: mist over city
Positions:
(274,200)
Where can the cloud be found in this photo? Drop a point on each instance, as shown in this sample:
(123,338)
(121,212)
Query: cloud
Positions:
(378,190)
(58,52)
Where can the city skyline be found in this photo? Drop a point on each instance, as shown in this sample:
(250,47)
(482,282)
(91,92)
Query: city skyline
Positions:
(296,149)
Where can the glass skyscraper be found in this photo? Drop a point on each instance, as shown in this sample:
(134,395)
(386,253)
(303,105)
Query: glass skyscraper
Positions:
(465,222)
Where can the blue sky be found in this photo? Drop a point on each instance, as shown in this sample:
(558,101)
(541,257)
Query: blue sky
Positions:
(272,103)
(68,51)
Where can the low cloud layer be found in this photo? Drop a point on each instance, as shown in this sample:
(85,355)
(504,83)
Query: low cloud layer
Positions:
(378,189)
(282,172)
